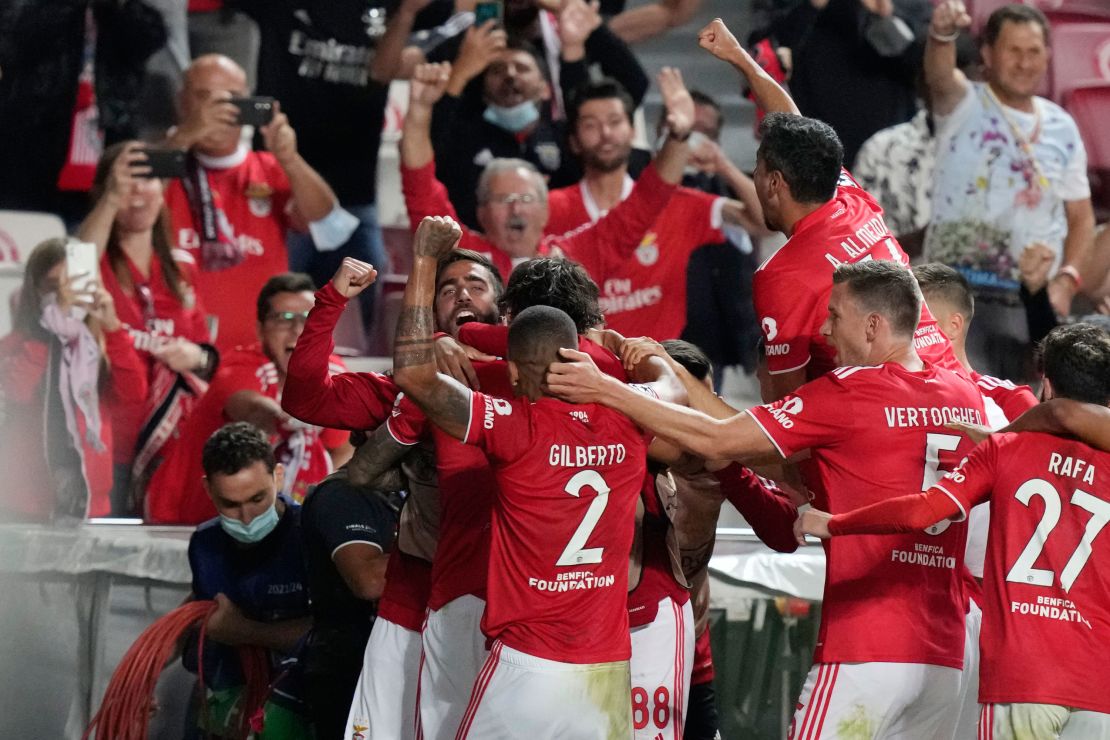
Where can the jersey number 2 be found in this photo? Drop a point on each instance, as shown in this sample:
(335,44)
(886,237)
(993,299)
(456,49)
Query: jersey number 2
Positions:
(576,552)
(1023,570)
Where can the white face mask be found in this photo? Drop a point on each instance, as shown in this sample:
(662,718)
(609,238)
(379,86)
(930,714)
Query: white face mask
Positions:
(514,119)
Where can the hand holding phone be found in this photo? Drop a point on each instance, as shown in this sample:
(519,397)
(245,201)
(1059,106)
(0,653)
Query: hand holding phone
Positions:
(162,163)
(489,10)
(82,264)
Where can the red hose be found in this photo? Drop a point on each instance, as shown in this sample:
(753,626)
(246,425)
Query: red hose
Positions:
(128,702)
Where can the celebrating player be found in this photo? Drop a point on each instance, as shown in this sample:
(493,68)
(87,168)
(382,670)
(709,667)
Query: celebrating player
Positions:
(875,653)
(806,194)
(1047,578)
(569,477)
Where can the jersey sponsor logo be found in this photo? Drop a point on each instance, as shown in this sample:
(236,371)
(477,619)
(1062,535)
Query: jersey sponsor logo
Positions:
(648,251)
(770,329)
(931,556)
(248,245)
(1050,607)
(618,296)
(573,581)
(259,199)
(777,350)
(495,407)
(791,406)
(928,336)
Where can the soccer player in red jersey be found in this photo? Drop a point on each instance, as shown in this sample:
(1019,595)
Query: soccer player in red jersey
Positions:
(512,195)
(569,477)
(807,194)
(1047,581)
(644,294)
(950,299)
(876,657)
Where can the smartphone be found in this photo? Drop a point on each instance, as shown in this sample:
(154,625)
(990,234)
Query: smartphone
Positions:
(489,10)
(256,111)
(81,260)
(164,163)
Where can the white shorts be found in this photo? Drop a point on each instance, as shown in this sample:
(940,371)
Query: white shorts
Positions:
(662,658)
(384,707)
(1041,722)
(454,651)
(907,701)
(968,724)
(522,696)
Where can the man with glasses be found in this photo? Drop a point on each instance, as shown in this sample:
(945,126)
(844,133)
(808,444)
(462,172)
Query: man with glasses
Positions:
(512,194)
(247,387)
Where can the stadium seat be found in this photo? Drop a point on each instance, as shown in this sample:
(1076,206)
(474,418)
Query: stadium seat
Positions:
(1080,56)
(21,231)
(1090,107)
(1088,8)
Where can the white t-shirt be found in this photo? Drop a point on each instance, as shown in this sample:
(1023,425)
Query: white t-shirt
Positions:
(990,198)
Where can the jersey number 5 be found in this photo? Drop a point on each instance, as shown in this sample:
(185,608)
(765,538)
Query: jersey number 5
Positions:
(576,552)
(1023,570)
(934,445)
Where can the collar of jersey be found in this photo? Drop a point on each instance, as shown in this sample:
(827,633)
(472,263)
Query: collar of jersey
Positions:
(225,162)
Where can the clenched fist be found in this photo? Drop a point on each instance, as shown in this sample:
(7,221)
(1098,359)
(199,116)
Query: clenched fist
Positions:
(719,41)
(950,17)
(353,277)
(436,236)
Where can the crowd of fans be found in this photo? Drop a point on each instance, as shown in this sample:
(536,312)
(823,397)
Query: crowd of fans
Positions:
(193,379)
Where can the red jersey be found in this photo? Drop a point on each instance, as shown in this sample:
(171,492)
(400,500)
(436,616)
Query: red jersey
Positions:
(404,600)
(252,191)
(467,489)
(1046,590)
(152,313)
(896,598)
(645,295)
(791,289)
(26,455)
(569,477)
(176,494)
(1013,400)
(702,671)
(616,236)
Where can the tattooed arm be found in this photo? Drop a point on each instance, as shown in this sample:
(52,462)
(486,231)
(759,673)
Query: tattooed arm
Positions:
(445,400)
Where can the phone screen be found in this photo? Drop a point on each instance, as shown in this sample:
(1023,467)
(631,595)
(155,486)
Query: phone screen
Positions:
(81,260)
(489,10)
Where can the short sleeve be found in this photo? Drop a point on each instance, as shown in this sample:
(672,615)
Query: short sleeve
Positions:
(500,427)
(787,313)
(948,125)
(406,423)
(819,414)
(971,482)
(1074,184)
(343,516)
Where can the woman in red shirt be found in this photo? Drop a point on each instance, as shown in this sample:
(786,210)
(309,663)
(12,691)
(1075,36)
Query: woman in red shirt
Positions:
(64,369)
(152,285)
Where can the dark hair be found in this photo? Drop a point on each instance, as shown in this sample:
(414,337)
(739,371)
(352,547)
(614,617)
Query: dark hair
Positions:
(886,288)
(1077,362)
(557,282)
(806,151)
(159,237)
(519,43)
(701,98)
(469,255)
(948,284)
(236,446)
(604,89)
(43,258)
(538,333)
(285,282)
(1015,13)
(690,356)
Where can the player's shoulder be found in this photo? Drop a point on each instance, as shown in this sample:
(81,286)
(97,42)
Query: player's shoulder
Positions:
(691,196)
(991,383)
(855,375)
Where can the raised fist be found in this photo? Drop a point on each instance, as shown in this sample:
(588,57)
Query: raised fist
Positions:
(719,41)
(949,17)
(353,277)
(436,236)
(428,83)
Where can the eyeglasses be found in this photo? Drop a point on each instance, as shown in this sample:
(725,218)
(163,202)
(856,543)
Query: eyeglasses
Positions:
(525,199)
(287,319)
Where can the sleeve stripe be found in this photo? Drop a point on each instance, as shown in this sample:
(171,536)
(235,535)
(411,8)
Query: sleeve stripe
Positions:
(470,418)
(396,439)
(356,542)
(955,500)
(765,432)
(789,370)
(716,213)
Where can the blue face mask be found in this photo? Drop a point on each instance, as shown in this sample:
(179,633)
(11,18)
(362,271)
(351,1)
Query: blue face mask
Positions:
(514,119)
(254,532)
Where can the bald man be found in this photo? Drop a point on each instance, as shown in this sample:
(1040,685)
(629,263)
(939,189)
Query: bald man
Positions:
(231,212)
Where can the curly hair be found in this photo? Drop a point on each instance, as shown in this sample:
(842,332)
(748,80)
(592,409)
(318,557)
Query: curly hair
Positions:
(556,282)
(1077,362)
(806,151)
(236,446)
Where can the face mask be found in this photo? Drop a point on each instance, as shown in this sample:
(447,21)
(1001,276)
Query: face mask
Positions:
(254,532)
(514,119)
